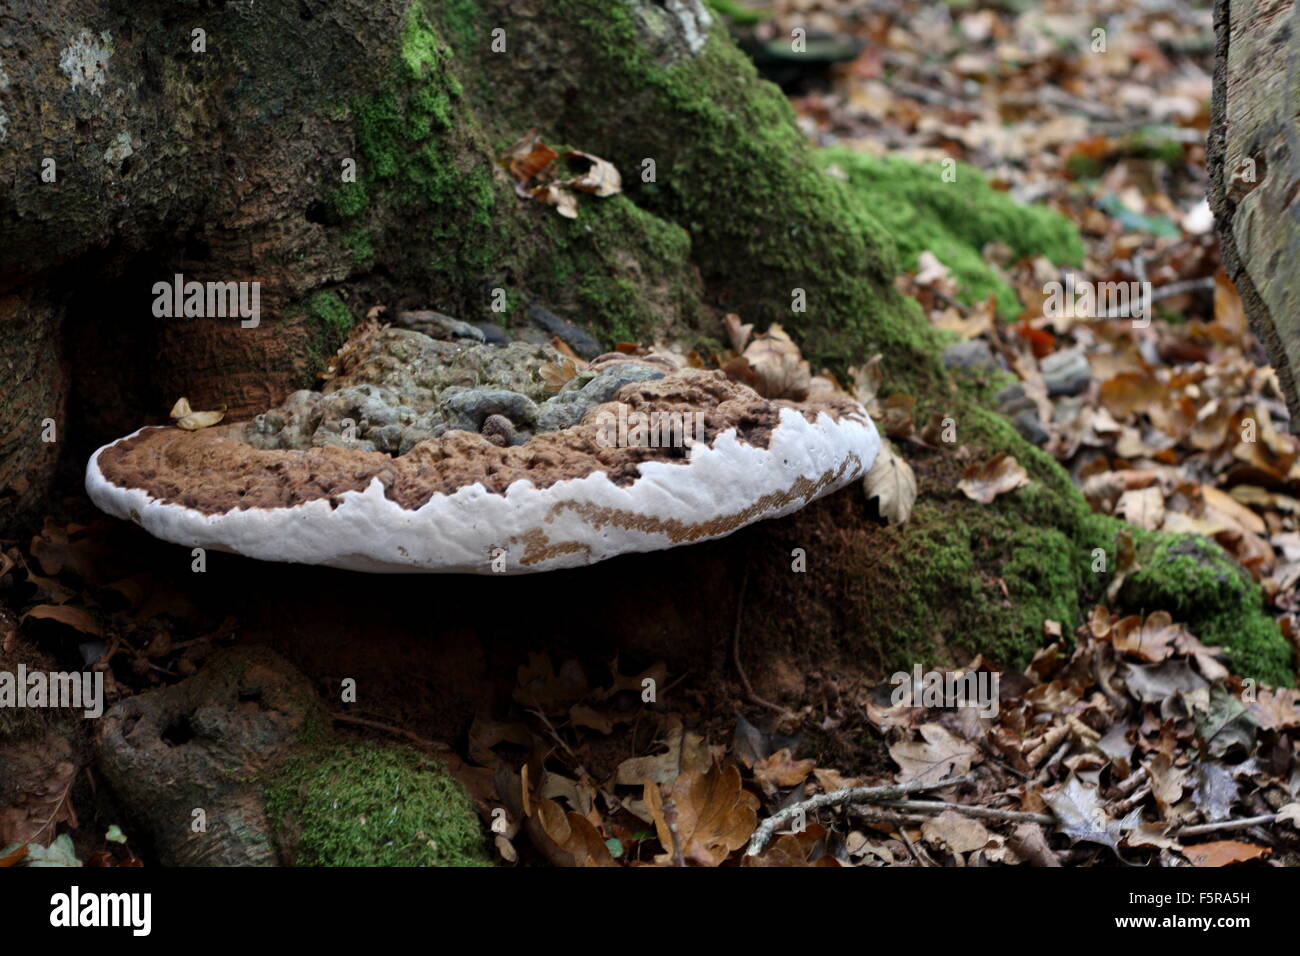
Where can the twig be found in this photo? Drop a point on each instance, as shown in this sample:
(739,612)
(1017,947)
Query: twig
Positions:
(838,798)
(1241,824)
(970,810)
(387,728)
(902,831)
(735,651)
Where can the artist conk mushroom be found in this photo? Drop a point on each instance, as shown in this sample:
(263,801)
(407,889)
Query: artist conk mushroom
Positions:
(459,456)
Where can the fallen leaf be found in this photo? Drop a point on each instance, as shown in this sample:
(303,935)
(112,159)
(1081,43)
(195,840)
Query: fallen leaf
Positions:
(781,770)
(706,816)
(779,365)
(1223,853)
(892,481)
(997,476)
(74,617)
(1081,816)
(941,754)
(601,179)
(956,831)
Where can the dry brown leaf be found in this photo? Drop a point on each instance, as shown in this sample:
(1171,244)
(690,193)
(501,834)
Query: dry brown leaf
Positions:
(780,367)
(737,333)
(601,179)
(1223,853)
(781,770)
(705,817)
(866,380)
(74,617)
(997,476)
(1151,640)
(1144,507)
(555,374)
(575,840)
(956,832)
(687,752)
(190,420)
(528,157)
(565,203)
(893,483)
(939,755)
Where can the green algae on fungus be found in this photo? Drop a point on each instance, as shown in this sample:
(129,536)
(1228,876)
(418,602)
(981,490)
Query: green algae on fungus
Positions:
(366,804)
(954,220)
(1200,585)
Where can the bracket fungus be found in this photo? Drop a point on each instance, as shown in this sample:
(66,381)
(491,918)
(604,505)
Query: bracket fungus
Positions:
(425,455)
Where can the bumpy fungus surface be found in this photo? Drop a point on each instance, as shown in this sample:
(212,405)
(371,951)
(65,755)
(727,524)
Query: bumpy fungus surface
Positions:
(370,805)
(427,455)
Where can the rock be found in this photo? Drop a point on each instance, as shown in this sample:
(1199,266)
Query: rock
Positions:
(567,408)
(971,356)
(438,326)
(470,407)
(1012,399)
(570,334)
(1066,372)
(1030,427)
(493,334)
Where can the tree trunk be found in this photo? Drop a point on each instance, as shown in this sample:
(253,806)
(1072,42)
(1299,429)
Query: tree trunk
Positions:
(1254,162)
(227,163)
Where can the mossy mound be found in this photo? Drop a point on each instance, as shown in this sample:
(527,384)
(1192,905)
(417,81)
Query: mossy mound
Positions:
(1198,583)
(365,804)
(954,220)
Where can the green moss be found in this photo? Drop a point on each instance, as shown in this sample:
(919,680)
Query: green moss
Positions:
(422,152)
(982,580)
(737,13)
(732,169)
(331,314)
(954,220)
(621,270)
(363,804)
(1197,583)
(360,242)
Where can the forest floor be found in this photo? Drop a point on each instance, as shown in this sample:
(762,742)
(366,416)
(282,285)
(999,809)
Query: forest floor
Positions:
(1124,742)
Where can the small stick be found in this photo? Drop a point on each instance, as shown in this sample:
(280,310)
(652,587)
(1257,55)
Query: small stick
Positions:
(735,652)
(986,813)
(1241,824)
(838,798)
(376,725)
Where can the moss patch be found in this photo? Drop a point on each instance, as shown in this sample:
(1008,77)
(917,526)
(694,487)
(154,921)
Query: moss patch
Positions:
(364,804)
(1196,582)
(954,220)
(623,271)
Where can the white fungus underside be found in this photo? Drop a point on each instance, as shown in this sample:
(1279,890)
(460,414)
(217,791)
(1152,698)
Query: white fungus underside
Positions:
(458,533)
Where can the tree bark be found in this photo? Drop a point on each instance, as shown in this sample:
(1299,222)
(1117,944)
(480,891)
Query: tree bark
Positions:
(1254,162)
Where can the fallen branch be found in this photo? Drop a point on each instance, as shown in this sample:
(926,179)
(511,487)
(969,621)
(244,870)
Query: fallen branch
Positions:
(838,798)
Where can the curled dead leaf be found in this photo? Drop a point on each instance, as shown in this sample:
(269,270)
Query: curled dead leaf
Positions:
(893,483)
(997,476)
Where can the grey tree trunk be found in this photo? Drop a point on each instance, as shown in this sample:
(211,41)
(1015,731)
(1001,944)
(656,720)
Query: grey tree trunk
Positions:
(1254,159)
